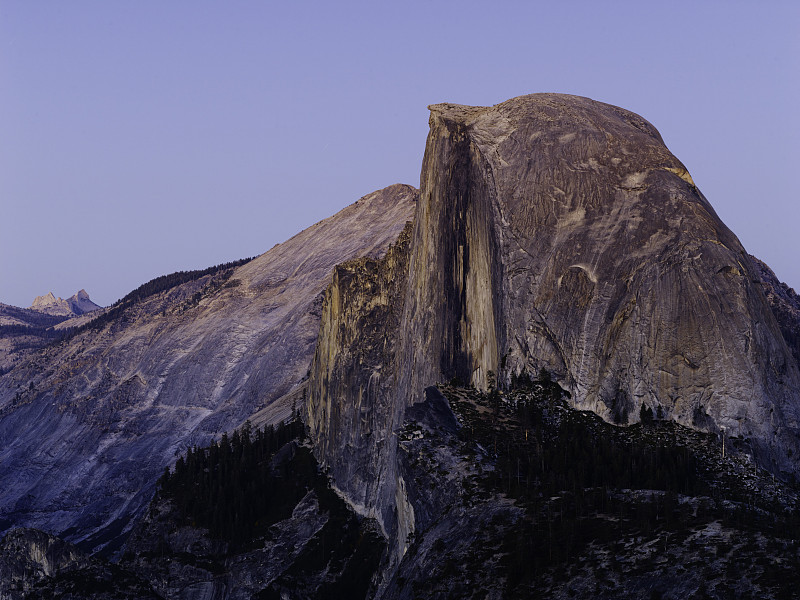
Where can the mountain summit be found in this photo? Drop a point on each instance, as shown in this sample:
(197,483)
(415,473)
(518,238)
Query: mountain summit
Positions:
(78,304)
(553,233)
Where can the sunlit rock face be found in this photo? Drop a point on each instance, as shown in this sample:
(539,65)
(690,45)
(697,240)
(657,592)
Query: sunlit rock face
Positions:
(552,232)
(352,410)
(78,304)
(88,425)
(578,243)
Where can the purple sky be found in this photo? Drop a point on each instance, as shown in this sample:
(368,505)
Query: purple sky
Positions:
(142,138)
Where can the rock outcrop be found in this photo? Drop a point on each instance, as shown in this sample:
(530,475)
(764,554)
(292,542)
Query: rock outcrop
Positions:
(88,425)
(559,233)
(36,555)
(78,304)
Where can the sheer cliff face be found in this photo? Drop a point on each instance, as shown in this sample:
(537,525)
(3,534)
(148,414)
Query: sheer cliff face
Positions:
(564,235)
(560,233)
(86,426)
(353,412)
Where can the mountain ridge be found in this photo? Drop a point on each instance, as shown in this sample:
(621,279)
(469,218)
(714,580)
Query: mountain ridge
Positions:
(88,424)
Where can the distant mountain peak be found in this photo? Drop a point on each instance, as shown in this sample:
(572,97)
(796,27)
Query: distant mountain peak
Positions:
(78,304)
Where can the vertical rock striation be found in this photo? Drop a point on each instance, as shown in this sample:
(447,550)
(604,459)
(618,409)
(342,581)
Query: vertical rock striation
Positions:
(552,232)
(785,305)
(456,264)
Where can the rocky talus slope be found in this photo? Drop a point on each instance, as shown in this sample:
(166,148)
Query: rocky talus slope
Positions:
(87,425)
(559,233)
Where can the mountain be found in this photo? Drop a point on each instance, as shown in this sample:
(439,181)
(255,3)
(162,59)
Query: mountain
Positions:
(78,304)
(553,233)
(551,372)
(88,424)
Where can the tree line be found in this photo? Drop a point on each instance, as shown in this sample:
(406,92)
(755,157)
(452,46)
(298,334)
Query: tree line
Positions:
(240,485)
(582,481)
(156,286)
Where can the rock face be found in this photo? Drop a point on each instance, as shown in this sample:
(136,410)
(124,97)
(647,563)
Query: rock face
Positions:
(78,304)
(352,411)
(588,250)
(87,425)
(552,232)
(785,305)
(37,555)
(34,564)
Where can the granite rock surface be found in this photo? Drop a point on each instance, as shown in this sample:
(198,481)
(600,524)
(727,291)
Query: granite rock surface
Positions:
(553,232)
(87,425)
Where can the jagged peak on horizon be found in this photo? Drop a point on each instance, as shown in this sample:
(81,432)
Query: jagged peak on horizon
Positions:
(77,304)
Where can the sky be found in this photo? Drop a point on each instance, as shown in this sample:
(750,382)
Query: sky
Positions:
(142,138)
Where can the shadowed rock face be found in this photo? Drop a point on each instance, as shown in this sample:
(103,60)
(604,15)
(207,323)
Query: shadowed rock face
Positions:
(87,426)
(34,564)
(785,304)
(558,232)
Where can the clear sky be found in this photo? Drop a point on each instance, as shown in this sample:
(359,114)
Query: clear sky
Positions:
(142,138)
